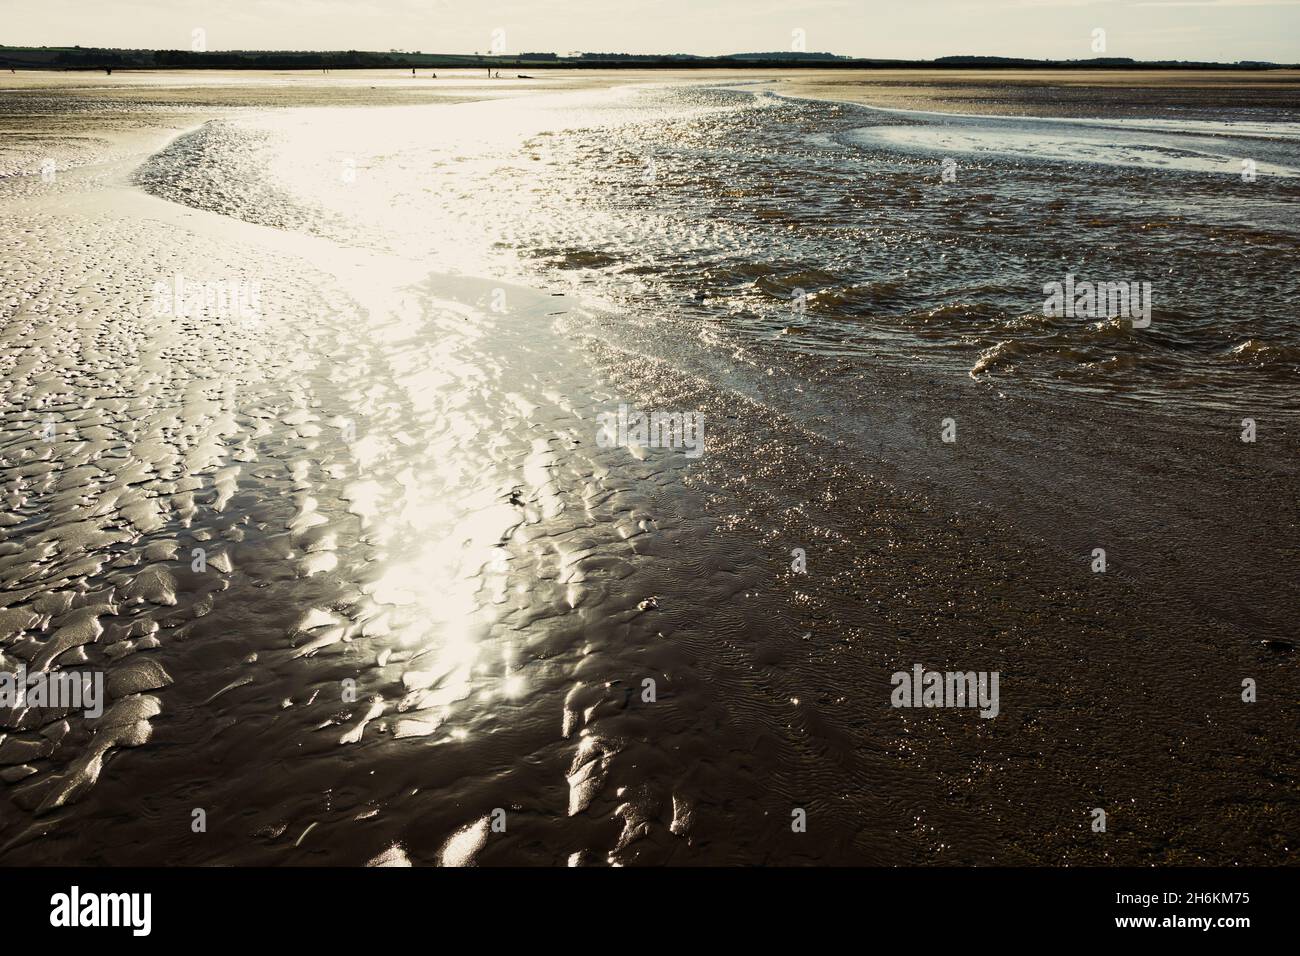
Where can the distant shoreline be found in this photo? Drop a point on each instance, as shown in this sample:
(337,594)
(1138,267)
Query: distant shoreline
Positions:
(96,58)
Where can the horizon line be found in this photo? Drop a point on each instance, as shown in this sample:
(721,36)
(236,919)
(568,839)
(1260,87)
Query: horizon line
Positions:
(540,58)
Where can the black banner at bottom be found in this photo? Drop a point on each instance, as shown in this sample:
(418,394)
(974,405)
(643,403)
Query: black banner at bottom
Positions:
(360,906)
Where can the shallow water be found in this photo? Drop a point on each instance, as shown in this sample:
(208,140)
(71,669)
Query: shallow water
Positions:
(431,598)
(722,204)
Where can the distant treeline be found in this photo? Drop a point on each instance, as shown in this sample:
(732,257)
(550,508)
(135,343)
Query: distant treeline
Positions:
(90,58)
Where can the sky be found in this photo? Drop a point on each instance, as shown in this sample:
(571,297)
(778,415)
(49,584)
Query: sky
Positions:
(1220,30)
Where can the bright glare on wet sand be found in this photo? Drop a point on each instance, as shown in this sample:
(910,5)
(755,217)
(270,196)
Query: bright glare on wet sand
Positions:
(590,468)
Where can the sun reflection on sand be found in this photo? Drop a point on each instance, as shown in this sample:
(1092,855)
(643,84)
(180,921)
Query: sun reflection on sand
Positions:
(439,512)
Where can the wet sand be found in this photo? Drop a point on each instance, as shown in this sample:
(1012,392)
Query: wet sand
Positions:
(396,484)
(1100,93)
(74,117)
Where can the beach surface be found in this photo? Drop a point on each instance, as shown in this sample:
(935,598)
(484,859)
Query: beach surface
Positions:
(1092,93)
(301,448)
